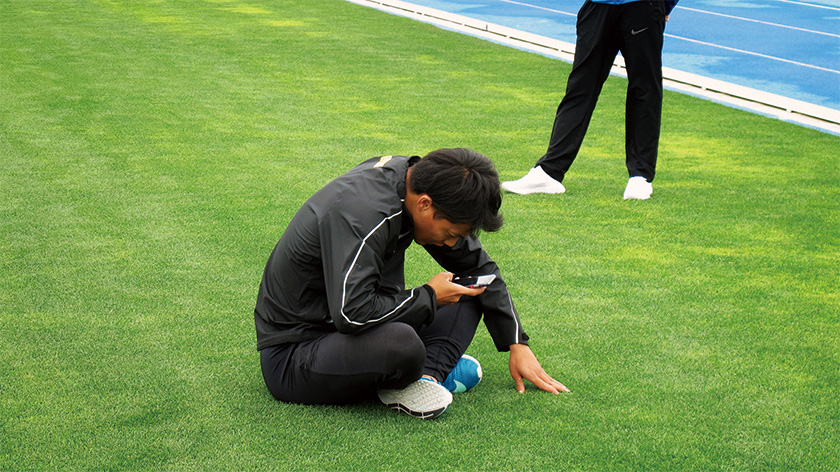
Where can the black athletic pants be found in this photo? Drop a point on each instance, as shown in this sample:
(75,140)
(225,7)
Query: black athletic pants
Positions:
(636,29)
(339,368)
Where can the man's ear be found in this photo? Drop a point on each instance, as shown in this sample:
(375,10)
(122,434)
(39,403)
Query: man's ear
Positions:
(424,202)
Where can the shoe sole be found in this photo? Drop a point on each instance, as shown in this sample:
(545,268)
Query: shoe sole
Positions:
(528,192)
(428,415)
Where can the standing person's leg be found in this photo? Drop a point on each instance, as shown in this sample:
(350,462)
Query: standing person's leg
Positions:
(642,29)
(340,369)
(595,51)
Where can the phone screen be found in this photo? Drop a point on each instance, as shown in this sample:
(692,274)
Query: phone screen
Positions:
(475,281)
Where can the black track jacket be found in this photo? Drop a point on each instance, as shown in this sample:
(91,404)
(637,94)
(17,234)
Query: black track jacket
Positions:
(339,266)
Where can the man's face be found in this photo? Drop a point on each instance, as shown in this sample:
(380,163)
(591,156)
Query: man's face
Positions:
(429,229)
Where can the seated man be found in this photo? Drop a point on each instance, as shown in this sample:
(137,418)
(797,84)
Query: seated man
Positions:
(335,323)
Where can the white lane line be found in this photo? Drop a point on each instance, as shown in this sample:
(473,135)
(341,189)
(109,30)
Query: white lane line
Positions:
(811,66)
(759,21)
(806,30)
(539,7)
(810,5)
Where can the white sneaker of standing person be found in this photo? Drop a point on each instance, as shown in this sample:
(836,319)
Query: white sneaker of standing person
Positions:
(535,181)
(638,188)
(424,398)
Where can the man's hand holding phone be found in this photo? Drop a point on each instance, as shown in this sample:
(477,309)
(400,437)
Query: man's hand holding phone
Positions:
(449,291)
(475,281)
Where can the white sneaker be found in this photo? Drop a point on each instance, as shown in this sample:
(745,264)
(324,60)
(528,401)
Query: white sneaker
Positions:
(638,188)
(422,398)
(535,181)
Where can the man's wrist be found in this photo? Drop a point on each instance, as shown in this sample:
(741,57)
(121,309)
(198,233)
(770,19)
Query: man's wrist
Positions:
(517,346)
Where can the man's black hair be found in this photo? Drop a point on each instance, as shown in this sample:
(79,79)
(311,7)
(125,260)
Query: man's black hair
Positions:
(464,187)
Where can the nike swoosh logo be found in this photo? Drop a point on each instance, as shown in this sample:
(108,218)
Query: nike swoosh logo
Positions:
(634,32)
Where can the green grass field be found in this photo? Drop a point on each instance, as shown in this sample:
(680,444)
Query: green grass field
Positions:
(152,152)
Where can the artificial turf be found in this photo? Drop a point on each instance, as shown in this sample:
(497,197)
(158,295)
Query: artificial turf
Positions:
(151,153)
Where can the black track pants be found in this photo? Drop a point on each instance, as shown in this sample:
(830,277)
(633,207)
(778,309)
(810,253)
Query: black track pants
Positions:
(338,368)
(636,29)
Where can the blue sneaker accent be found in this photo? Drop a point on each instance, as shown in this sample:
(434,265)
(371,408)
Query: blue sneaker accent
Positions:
(465,375)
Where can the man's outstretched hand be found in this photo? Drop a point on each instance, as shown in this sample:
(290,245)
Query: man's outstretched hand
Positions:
(524,365)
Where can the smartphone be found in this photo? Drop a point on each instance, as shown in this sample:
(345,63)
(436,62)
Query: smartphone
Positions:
(475,281)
